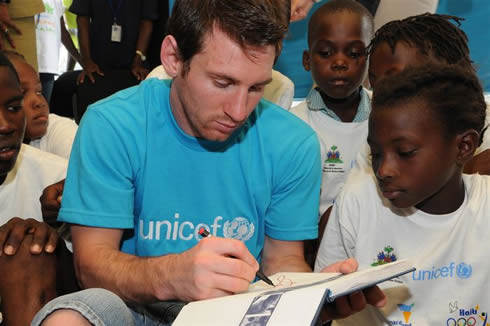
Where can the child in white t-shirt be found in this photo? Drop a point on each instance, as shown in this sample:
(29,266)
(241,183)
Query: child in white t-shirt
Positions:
(415,41)
(28,267)
(425,124)
(51,32)
(338,107)
(45,131)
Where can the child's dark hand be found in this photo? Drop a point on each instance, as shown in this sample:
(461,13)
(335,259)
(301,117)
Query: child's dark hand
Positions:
(51,202)
(44,237)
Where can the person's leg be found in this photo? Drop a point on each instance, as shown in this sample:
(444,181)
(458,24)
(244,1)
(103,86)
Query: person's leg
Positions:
(98,307)
(27,282)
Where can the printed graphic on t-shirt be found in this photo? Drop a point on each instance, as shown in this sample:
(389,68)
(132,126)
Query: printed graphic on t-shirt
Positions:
(387,255)
(466,316)
(331,163)
(452,270)
(239,228)
(406,311)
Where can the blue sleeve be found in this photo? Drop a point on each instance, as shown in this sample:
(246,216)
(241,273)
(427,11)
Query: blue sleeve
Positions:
(99,188)
(293,212)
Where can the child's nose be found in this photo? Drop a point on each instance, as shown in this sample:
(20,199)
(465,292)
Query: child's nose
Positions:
(386,168)
(339,63)
(6,125)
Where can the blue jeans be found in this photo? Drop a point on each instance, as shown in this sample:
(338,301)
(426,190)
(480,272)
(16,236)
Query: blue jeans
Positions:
(100,307)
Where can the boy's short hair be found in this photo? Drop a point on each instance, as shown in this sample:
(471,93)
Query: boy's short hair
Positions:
(5,62)
(248,22)
(433,34)
(334,6)
(454,93)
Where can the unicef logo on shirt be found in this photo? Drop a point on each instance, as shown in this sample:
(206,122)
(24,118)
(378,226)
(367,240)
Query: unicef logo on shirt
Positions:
(463,270)
(240,228)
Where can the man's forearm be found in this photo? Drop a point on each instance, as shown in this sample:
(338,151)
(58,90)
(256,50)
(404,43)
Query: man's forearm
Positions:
(99,263)
(132,278)
(283,256)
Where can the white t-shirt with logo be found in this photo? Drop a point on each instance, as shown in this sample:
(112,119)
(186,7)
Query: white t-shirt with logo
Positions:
(59,137)
(340,142)
(34,170)
(48,36)
(450,252)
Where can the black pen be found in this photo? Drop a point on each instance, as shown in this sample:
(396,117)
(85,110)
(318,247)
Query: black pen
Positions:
(260,275)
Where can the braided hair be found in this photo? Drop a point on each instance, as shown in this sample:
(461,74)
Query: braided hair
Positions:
(433,34)
(452,92)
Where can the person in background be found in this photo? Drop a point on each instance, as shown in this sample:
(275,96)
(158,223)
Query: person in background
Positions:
(45,131)
(17,27)
(338,107)
(51,32)
(417,40)
(114,35)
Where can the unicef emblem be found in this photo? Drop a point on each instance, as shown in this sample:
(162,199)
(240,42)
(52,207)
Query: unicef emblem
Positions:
(463,270)
(240,228)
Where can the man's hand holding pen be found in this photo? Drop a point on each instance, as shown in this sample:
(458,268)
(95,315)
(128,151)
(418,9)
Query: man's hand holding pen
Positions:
(213,268)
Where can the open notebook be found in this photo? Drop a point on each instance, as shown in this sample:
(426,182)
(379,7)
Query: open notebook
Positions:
(296,298)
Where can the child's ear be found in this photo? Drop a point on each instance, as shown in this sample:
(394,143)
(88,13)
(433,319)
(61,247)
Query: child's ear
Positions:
(306,60)
(170,57)
(467,144)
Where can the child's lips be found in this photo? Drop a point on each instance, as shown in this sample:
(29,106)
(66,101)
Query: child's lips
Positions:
(391,194)
(338,82)
(7,152)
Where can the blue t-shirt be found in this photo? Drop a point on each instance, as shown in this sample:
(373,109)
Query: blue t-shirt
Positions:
(133,168)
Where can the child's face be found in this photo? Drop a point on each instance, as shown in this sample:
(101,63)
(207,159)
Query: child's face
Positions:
(35,105)
(12,121)
(384,62)
(337,55)
(414,162)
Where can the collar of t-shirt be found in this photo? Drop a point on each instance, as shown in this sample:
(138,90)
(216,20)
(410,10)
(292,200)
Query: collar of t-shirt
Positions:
(315,102)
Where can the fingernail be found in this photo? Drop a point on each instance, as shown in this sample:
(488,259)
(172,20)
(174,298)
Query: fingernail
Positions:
(49,248)
(36,248)
(9,250)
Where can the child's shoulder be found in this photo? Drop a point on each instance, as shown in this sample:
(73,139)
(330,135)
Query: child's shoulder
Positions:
(37,158)
(477,186)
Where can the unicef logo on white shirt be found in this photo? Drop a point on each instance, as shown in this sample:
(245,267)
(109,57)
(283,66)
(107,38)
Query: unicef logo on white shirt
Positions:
(463,270)
(239,228)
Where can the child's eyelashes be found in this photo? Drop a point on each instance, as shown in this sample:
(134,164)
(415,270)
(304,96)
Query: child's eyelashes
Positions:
(14,107)
(325,53)
(407,154)
(357,54)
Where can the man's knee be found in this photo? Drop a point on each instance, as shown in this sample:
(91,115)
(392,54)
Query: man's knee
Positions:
(93,306)
(65,317)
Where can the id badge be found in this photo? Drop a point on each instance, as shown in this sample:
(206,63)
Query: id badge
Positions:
(116,33)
